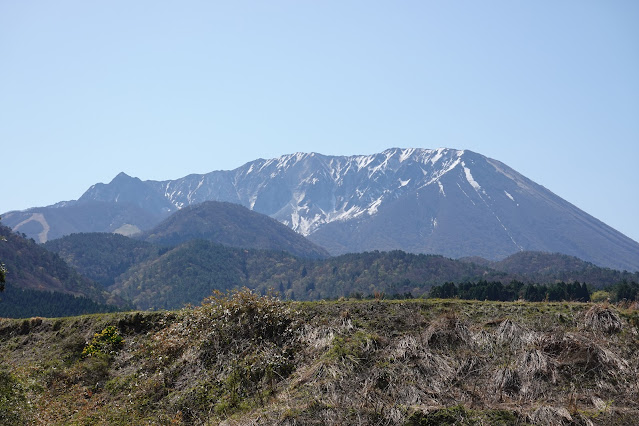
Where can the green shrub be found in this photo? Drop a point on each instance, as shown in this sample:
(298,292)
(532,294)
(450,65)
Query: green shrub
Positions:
(106,342)
(600,296)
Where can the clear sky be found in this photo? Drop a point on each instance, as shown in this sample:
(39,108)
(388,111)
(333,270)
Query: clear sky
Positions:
(162,89)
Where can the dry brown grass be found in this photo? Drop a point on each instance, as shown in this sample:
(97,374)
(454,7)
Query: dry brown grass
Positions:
(245,359)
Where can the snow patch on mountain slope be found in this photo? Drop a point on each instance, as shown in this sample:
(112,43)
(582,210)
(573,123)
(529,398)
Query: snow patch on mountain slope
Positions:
(469,178)
(351,184)
(405,154)
(363,161)
(438,173)
(374,206)
(437,156)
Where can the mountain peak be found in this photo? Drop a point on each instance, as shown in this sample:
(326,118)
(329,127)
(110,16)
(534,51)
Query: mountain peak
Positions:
(122,177)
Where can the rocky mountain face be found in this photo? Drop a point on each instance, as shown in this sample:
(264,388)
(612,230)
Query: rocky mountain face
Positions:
(451,202)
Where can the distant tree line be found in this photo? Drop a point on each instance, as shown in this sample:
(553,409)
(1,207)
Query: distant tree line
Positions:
(623,291)
(516,290)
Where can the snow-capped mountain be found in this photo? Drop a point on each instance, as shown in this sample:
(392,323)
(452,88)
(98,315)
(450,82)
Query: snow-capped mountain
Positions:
(445,201)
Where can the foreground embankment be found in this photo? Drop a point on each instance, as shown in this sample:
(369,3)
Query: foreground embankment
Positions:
(245,359)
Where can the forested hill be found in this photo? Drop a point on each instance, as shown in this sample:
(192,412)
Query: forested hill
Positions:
(231,225)
(101,256)
(191,271)
(169,277)
(31,266)
(40,283)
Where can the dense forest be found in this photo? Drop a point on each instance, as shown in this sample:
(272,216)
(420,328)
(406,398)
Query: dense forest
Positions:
(164,277)
(102,256)
(26,303)
(191,271)
(555,267)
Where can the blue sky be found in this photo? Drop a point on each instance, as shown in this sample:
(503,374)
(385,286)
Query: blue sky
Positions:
(162,89)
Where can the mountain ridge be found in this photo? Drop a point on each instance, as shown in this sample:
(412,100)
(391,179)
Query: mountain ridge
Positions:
(457,203)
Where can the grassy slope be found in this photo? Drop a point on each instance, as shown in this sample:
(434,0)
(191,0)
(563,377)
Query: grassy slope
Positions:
(250,359)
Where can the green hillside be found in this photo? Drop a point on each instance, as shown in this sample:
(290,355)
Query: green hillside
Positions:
(548,267)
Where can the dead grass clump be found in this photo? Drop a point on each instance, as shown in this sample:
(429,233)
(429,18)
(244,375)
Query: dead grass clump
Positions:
(546,415)
(406,348)
(484,339)
(576,354)
(434,366)
(472,366)
(513,334)
(417,361)
(535,364)
(448,331)
(537,371)
(602,319)
(318,338)
(414,375)
(507,380)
